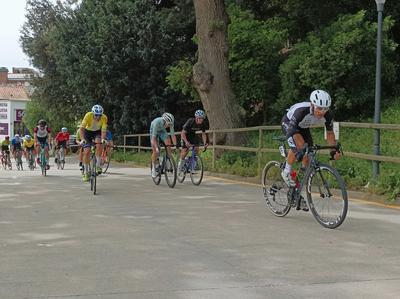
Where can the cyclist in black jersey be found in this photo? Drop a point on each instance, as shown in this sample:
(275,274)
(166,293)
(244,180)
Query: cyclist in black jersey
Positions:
(296,125)
(189,137)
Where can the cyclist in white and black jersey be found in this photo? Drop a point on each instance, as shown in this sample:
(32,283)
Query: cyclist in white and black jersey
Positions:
(296,125)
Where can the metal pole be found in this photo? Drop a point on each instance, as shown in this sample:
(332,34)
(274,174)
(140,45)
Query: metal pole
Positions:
(377,115)
(259,153)
(139,143)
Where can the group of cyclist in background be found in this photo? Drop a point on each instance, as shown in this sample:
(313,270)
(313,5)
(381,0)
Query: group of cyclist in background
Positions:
(159,133)
(92,128)
(296,124)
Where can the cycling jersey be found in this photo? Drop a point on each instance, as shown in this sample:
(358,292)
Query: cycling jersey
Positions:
(157,129)
(191,127)
(28,144)
(109,135)
(42,133)
(78,135)
(5,144)
(61,136)
(90,124)
(300,116)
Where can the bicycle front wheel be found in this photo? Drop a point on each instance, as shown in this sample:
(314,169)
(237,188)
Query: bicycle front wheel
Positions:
(196,170)
(327,196)
(275,189)
(170,171)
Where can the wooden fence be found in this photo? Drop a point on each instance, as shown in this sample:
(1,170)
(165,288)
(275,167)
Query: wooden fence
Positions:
(260,149)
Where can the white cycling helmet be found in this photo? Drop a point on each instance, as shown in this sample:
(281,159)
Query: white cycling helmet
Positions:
(321,98)
(200,114)
(97,110)
(28,137)
(64,129)
(168,117)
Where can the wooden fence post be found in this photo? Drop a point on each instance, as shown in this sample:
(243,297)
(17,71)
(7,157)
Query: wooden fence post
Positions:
(259,152)
(213,152)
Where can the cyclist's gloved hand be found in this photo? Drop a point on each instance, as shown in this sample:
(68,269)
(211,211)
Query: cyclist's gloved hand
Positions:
(103,141)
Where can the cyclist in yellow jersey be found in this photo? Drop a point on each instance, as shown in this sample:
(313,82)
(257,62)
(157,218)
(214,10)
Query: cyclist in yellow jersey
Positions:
(28,145)
(93,129)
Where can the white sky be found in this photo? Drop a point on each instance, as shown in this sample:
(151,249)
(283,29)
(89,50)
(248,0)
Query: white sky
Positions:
(12,18)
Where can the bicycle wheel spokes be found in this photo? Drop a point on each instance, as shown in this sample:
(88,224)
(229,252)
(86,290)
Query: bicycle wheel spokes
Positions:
(196,170)
(170,171)
(275,189)
(327,196)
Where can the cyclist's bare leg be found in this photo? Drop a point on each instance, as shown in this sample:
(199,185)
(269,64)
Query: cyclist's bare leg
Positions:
(155,151)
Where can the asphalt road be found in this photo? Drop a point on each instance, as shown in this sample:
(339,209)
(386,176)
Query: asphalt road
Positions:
(218,240)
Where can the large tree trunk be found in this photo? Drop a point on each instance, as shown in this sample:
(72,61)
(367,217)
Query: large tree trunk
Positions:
(211,72)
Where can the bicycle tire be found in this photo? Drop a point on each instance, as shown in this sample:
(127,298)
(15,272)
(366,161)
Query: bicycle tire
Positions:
(181,175)
(275,189)
(198,161)
(43,163)
(107,161)
(318,181)
(157,179)
(170,167)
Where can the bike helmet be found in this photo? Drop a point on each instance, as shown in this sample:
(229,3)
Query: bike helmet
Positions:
(200,114)
(168,117)
(28,137)
(97,110)
(321,98)
(7,137)
(64,130)
(42,122)
(16,135)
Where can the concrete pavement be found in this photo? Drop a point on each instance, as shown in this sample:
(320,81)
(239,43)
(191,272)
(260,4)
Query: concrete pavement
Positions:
(218,240)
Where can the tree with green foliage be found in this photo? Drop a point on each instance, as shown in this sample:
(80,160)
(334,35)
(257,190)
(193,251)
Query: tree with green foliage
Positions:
(340,59)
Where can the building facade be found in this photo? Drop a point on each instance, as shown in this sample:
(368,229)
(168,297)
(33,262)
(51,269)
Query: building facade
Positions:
(14,97)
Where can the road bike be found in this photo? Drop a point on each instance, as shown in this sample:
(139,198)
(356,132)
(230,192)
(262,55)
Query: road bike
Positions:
(31,159)
(60,157)
(166,165)
(324,187)
(6,161)
(92,171)
(193,164)
(43,159)
(18,159)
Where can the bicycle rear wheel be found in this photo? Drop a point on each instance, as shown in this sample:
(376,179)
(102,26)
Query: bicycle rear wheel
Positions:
(275,189)
(327,196)
(170,171)
(196,170)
